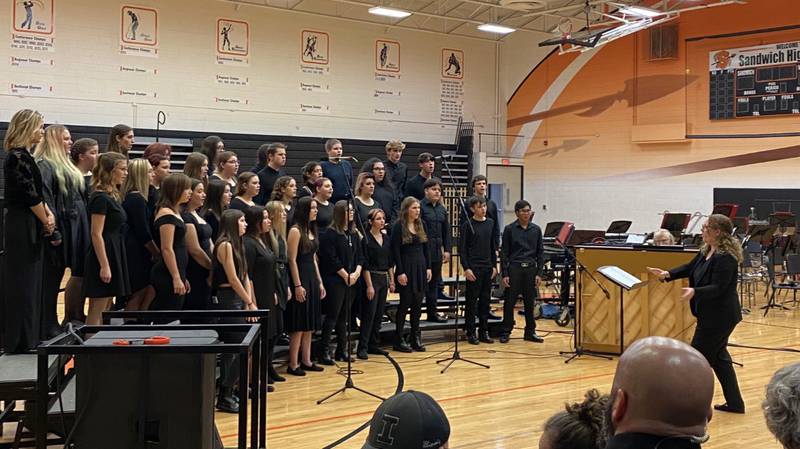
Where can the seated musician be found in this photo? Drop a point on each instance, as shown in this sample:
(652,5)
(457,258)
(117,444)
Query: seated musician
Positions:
(662,237)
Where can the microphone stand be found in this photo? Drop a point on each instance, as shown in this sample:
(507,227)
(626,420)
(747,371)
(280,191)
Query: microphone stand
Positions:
(579,351)
(348,372)
(456,353)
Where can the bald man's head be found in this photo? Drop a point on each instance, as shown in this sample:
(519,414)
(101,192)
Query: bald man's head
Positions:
(662,387)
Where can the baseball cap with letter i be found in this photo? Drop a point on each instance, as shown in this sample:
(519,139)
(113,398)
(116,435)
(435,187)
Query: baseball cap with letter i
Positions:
(408,420)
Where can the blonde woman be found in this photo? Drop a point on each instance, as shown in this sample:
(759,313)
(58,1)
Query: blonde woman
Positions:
(139,244)
(28,219)
(277,241)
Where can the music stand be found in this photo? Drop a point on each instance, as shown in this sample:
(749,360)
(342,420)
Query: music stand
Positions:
(619,227)
(675,222)
(626,282)
(727,209)
(582,237)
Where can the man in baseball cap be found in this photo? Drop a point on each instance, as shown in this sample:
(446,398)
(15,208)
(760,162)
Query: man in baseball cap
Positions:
(408,420)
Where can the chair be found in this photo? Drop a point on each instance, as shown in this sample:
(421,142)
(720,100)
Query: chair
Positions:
(792,269)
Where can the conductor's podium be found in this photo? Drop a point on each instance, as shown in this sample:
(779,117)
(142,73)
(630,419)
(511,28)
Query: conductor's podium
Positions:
(653,309)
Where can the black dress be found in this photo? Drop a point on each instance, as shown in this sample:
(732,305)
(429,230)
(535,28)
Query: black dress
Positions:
(101,203)
(324,216)
(140,232)
(306,315)
(22,273)
(166,299)
(199,296)
(153,194)
(263,274)
(282,283)
(363,213)
(54,264)
(239,204)
(213,221)
(411,259)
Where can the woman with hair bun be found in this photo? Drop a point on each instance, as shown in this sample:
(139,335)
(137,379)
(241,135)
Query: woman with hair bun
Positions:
(578,426)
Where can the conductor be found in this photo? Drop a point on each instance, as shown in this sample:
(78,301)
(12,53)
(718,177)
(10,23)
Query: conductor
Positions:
(713,300)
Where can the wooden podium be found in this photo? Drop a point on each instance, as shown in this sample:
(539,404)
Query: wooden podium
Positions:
(654,309)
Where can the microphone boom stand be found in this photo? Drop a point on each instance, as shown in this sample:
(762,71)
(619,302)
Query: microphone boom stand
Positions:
(456,353)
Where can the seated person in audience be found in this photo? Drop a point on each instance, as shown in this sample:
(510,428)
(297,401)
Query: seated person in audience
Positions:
(661,397)
(578,426)
(339,171)
(408,420)
(662,237)
(782,406)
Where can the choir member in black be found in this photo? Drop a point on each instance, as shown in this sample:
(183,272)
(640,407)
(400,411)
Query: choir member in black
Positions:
(29,223)
(379,279)
(247,188)
(160,164)
(200,247)
(412,271)
(261,158)
(84,155)
(322,195)
(437,225)
(226,169)
(285,191)
(396,171)
(340,260)
(232,284)
(339,171)
(385,193)
(140,246)
(63,189)
(310,172)
(196,167)
(106,267)
(365,200)
(218,198)
(120,139)
(263,272)
(211,147)
(713,300)
(276,160)
(416,186)
(478,250)
(304,310)
(479,188)
(169,272)
(277,215)
(521,258)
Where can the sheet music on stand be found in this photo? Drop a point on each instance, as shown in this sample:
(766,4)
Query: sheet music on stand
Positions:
(620,277)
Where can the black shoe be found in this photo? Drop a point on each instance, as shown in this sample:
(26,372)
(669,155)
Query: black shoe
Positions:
(226,402)
(312,367)
(727,408)
(402,347)
(342,357)
(435,318)
(472,338)
(270,389)
(377,351)
(417,344)
(492,316)
(504,338)
(325,358)
(443,295)
(295,372)
(275,376)
(362,354)
(485,338)
(531,336)
(282,340)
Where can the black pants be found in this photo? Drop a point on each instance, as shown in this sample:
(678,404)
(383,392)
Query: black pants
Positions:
(53,274)
(227,299)
(372,311)
(410,301)
(713,344)
(522,281)
(338,301)
(432,291)
(478,294)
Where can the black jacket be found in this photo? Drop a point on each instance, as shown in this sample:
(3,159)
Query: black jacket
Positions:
(715,302)
(646,441)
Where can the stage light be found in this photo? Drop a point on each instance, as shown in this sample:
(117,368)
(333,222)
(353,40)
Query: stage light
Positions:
(389,12)
(495,28)
(640,11)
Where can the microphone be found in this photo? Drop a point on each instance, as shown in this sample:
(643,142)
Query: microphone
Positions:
(340,158)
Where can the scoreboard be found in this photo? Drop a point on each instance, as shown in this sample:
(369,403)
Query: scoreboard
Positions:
(755,81)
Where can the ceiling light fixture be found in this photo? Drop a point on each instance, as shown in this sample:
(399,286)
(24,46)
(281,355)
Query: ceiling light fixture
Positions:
(389,12)
(640,11)
(495,28)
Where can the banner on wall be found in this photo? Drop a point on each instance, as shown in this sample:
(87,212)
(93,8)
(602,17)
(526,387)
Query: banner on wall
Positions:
(33,25)
(754,81)
(451,89)
(138,31)
(452,63)
(315,47)
(233,42)
(387,56)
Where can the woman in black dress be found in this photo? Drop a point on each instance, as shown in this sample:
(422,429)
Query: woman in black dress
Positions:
(140,247)
(28,223)
(412,271)
(263,272)
(379,279)
(364,200)
(84,156)
(304,311)
(200,247)
(285,191)
(713,275)
(196,167)
(226,168)
(277,216)
(218,198)
(168,275)
(322,194)
(340,260)
(247,188)
(232,284)
(311,172)
(106,269)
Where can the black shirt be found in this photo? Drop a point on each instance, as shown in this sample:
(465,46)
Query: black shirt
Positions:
(437,226)
(386,195)
(267,177)
(521,246)
(337,252)
(23,180)
(362,221)
(478,249)
(646,441)
(377,257)
(415,187)
(341,176)
(324,216)
(397,175)
(491,212)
